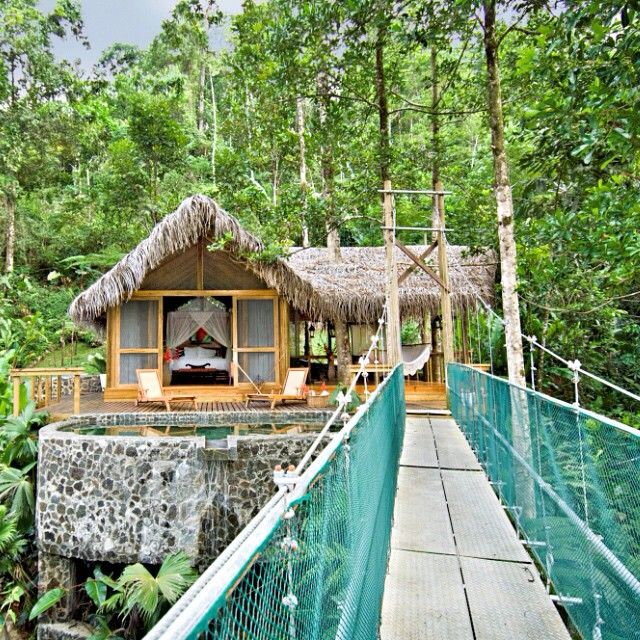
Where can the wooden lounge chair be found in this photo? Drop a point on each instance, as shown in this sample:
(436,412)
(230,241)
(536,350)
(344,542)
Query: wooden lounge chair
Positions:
(150,390)
(292,390)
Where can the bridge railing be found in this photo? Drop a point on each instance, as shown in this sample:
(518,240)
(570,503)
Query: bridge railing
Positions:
(312,564)
(571,481)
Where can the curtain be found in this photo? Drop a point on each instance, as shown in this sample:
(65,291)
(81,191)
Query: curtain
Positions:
(197,313)
(255,323)
(139,324)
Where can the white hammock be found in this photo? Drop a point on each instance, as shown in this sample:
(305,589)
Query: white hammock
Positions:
(414,357)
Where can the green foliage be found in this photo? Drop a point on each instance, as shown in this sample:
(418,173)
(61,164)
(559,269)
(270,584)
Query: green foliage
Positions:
(46,601)
(96,363)
(147,593)
(137,593)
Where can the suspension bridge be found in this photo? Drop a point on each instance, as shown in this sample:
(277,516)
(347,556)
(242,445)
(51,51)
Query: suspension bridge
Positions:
(516,517)
(475,527)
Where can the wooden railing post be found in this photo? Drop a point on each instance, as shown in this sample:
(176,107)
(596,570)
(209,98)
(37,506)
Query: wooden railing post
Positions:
(16,395)
(40,382)
(47,390)
(76,393)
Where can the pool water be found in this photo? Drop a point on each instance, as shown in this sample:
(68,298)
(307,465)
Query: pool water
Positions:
(210,432)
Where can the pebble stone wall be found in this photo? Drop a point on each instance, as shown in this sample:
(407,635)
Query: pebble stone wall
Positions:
(125,499)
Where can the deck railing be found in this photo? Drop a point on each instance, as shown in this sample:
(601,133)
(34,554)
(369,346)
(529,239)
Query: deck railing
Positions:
(41,388)
(311,565)
(570,479)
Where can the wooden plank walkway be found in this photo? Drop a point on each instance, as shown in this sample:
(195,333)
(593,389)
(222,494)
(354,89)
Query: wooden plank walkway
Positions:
(457,569)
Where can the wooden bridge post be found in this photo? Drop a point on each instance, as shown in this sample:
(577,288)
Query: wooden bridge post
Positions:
(445,291)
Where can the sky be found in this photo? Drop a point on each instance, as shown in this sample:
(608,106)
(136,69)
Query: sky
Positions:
(130,21)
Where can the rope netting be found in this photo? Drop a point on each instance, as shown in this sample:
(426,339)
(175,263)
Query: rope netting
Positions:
(317,571)
(570,479)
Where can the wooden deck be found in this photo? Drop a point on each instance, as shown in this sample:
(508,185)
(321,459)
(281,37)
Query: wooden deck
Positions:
(419,395)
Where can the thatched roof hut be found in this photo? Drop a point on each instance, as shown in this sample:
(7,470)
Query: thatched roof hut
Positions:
(313,284)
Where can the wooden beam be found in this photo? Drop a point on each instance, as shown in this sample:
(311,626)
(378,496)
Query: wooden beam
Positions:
(445,297)
(425,267)
(195,293)
(423,256)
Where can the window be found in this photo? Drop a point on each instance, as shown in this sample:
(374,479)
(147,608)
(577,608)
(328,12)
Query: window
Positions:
(138,339)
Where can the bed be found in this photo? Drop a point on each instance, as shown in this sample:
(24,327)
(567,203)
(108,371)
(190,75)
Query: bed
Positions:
(201,365)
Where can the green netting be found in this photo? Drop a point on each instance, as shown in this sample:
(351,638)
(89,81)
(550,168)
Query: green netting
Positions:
(571,481)
(331,584)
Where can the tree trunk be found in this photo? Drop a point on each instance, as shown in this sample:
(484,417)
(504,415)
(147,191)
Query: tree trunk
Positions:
(435,141)
(343,350)
(506,236)
(393,300)
(200,111)
(10,230)
(328,170)
(214,128)
(304,185)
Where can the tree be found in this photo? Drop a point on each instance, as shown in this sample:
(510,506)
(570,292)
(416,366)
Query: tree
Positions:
(29,78)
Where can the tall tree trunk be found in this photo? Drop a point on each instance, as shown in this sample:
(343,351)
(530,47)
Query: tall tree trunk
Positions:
(393,300)
(304,185)
(435,141)
(214,128)
(506,236)
(200,109)
(328,170)
(10,230)
(343,349)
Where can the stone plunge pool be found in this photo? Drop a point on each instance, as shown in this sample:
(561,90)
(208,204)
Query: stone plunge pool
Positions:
(124,488)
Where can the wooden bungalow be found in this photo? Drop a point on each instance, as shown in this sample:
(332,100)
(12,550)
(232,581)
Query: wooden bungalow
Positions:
(195,301)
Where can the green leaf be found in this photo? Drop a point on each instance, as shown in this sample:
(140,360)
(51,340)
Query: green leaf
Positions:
(141,590)
(48,600)
(175,575)
(97,591)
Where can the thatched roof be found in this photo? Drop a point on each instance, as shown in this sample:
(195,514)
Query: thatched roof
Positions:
(196,217)
(355,287)
(313,284)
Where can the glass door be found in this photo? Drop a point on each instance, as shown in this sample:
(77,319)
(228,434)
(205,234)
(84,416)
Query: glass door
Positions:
(255,339)
(139,341)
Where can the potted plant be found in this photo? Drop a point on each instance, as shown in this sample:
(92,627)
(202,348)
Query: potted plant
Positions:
(97,364)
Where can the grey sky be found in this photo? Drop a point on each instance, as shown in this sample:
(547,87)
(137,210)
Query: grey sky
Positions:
(131,21)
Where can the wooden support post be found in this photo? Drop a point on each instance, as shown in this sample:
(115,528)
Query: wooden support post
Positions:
(445,296)
(393,298)
(76,393)
(464,325)
(59,389)
(47,391)
(16,395)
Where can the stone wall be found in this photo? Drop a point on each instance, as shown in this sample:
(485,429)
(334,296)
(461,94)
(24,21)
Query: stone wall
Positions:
(125,499)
